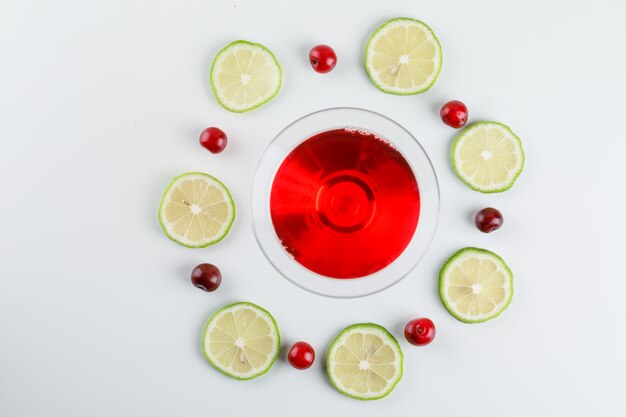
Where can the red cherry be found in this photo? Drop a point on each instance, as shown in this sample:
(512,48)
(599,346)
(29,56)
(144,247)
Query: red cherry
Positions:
(301,355)
(207,277)
(213,139)
(323,58)
(454,114)
(420,332)
(488,219)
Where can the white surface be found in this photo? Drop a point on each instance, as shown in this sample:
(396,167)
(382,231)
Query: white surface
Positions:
(101,105)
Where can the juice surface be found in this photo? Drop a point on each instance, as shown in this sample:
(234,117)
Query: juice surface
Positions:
(344,203)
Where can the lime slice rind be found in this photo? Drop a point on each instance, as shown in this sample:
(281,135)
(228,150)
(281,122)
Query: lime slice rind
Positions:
(225,226)
(217,61)
(271,359)
(365,328)
(437,61)
(496,187)
(444,284)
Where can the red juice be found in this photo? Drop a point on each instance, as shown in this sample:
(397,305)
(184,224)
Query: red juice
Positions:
(345,203)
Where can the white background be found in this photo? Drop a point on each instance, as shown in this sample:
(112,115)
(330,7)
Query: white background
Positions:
(101,105)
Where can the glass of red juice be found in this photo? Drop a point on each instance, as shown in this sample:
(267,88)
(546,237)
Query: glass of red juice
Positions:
(344,202)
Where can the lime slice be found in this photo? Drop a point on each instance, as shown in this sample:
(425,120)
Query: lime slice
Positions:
(488,157)
(364,362)
(475,285)
(196,210)
(241,340)
(403,57)
(244,76)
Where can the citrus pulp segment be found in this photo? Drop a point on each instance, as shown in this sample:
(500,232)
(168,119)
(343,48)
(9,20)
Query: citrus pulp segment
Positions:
(364,362)
(475,285)
(241,340)
(196,210)
(244,76)
(403,57)
(488,157)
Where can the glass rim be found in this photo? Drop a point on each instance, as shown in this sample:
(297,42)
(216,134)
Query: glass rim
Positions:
(337,118)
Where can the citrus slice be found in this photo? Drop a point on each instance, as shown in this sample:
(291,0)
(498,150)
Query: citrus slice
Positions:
(403,57)
(196,210)
(364,362)
(241,340)
(475,285)
(244,76)
(488,157)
